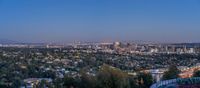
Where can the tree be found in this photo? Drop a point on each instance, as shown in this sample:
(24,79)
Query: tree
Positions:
(70,82)
(109,77)
(88,81)
(172,73)
(196,73)
(16,83)
(58,83)
(3,85)
(145,80)
(133,83)
(42,84)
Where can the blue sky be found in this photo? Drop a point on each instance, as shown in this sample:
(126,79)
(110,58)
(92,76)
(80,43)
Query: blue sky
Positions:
(100,20)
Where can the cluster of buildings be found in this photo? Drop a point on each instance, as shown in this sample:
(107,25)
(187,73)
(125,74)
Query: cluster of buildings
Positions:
(140,48)
(62,60)
(121,47)
(32,82)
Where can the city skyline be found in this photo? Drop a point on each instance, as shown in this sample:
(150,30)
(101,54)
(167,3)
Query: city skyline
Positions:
(100,20)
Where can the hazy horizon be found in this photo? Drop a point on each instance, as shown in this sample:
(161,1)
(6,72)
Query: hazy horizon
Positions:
(100,20)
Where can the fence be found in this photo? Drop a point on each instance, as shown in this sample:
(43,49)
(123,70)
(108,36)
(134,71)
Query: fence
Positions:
(172,81)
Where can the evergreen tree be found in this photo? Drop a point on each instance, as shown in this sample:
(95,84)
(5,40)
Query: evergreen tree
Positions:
(196,73)
(145,80)
(70,82)
(172,73)
(16,83)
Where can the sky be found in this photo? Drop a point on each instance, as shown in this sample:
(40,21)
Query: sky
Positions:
(100,20)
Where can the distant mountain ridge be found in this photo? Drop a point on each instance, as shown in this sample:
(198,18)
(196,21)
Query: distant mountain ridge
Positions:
(6,41)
